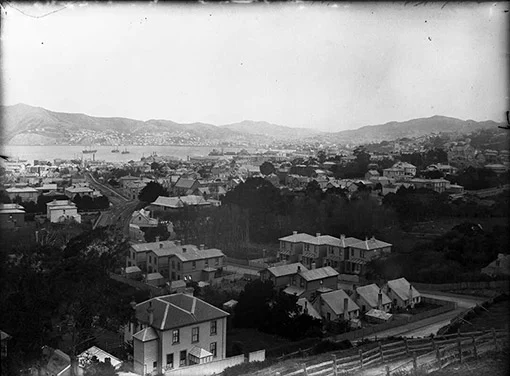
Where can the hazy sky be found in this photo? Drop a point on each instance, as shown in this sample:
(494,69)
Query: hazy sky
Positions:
(330,66)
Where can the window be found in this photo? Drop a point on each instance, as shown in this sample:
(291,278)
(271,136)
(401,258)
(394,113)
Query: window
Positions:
(194,334)
(352,252)
(150,259)
(194,265)
(170,360)
(155,365)
(301,282)
(178,266)
(328,315)
(182,358)
(212,349)
(206,262)
(217,261)
(173,264)
(214,327)
(175,336)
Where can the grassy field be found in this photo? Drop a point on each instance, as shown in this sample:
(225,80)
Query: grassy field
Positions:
(252,340)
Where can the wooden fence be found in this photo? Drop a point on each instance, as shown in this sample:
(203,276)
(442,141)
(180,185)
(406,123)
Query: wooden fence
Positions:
(503,285)
(424,353)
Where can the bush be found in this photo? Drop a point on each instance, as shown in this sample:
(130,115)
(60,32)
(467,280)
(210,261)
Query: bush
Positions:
(247,368)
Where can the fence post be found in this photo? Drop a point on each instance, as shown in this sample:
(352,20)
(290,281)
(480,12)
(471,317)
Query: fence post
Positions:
(495,339)
(387,370)
(438,354)
(407,346)
(360,358)
(459,347)
(381,352)
(415,363)
(335,372)
(305,372)
(475,352)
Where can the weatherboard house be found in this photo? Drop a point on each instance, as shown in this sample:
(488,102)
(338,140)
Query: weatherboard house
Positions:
(175,331)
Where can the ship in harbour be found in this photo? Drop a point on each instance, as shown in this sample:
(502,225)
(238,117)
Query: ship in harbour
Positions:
(89,151)
(125,151)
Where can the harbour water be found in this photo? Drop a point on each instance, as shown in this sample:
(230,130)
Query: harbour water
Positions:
(51,152)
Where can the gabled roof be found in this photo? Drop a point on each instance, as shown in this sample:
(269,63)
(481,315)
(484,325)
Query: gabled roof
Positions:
(199,352)
(153,276)
(177,310)
(335,300)
(320,273)
(294,290)
(185,183)
(132,269)
(297,238)
(370,244)
(347,242)
(323,240)
(371,294)
(288,269)
(382,315)
(308,309)
(401,288)
(192,253)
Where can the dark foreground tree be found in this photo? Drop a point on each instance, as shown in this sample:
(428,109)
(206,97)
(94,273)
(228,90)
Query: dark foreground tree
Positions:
(152,191)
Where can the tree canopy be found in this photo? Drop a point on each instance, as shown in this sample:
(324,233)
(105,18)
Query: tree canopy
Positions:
(151,192)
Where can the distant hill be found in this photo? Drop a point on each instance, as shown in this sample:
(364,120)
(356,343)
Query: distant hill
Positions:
(411,128)
(27,125)
(270,130)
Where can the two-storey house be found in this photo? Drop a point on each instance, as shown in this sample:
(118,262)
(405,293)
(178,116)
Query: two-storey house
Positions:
(138,253)
(315,249)
(175,331)
(362,252)
(306,283)
(282,275)
(58,211)
(195,264)
(291,247)
(338,251)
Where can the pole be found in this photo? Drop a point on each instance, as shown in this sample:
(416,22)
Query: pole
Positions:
(495,339)
(438,354)
(360,358)
(407,346)
(387,370)
(381,352)
(459,347)
(415,364)
(475,352)
(305,372)
(335,371)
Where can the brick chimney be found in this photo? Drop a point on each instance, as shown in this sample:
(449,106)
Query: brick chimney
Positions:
(202,247)
(411,295)
(346,309)
(318,234)
(157,239)
(299,269)
(183,250)
(294,232)
(178,242)
(379,300)
(150,312)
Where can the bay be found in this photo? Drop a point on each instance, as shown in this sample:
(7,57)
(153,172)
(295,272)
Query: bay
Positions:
(104,153)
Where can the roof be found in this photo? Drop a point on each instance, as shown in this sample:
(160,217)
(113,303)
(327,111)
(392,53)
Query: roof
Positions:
(185,183)
(199,352)
(79,189)
(288,269)
(146,335)
(12,211)
(132,269)
(190,252)
(21,190)
(401,288)
(145,247)
(297,238)
(294,290)
(101,355)
(370,244)
(177,284)
(323,239)
(347,242)
(230,304)
(320,273)
(335,300)
(309,310)
(179,202)
(379,314)
(4,335)
(153,276)
(58,362)
(11,206)
(371,294)
(177,310)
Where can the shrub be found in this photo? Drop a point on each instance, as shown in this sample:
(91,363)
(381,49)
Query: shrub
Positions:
(327,345)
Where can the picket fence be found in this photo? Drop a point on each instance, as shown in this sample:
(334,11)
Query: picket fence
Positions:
(425,353)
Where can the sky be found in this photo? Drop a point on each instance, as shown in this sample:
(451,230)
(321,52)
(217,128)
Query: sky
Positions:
(329,66)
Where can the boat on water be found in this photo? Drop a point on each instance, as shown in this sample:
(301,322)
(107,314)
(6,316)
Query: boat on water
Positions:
(216,153)
(116,150)
(125,151)
(89,151)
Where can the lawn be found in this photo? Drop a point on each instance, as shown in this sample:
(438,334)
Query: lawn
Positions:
(252,340)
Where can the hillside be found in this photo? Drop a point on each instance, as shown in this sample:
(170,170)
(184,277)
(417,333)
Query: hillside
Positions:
(411,128)
(28,125)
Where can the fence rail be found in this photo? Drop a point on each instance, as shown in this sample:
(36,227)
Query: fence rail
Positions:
(423,353)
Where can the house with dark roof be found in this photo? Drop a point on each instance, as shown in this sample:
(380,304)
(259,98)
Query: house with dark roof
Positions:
(184,186)
(176,331)
(281,275)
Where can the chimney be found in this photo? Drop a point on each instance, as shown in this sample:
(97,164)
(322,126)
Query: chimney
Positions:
(202,247)
(354,292)
(313,265)
(160,244)
(150,311)
(107,360)
(346,308)
(318,234)
(183,250)
(178,242)
(299,269)
(342,236)
(411,295)
(294,232)
(157,240)
(379,300)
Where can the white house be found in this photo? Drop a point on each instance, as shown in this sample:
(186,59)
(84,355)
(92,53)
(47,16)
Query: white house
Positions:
(371,297)
(402,293)
(58,211)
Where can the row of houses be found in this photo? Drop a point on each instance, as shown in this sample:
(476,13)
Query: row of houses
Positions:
(344,254)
